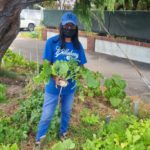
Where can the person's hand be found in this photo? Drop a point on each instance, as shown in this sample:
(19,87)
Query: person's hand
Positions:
(57,79)
(63,83)
(60,81)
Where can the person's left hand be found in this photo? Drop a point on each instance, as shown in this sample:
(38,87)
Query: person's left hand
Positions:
(60,81)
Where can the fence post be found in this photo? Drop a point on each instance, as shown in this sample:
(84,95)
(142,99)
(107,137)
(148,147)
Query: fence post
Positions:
(136,107)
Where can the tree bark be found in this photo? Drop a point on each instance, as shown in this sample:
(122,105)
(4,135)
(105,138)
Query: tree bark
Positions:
(10,21)
(135,3)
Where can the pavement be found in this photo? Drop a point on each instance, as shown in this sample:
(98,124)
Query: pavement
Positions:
(32,49)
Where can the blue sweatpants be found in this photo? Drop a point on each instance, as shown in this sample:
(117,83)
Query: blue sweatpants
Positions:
(48,109)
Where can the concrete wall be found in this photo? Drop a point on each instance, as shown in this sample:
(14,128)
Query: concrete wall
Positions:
(83,41)
(50,34)
(134,50)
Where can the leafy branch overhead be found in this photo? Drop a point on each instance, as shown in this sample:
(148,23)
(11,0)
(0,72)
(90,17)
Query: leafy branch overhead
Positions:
(10,21)
(94,9)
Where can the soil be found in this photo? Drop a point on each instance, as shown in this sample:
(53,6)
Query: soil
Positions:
(8,81)
(144,108)
(28,145)
(14,94)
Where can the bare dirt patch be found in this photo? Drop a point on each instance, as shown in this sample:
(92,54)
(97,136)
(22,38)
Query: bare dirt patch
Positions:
(144,108)
(28,145)
(9,108)
(9,81)
(96,105)
(13,94)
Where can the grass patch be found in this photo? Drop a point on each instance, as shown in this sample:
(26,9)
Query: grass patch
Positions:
(14,62)
(88,118)
(36,34)
(28,34)
(2,92)
(80,133)
(7,73)
(2,113)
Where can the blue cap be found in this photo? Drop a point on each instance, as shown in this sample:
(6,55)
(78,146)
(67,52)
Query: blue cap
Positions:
(69,17)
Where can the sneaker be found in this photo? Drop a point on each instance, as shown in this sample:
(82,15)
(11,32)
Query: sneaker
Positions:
(39,145)
(63,136)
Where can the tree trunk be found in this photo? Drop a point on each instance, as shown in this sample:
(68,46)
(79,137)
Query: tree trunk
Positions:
(135,3)
(10,21)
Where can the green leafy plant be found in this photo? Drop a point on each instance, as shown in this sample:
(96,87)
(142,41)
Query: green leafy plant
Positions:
(93,144)
(63,69)
(34,34)
(44,75)
(17,127)
(88,82)
(9,147)
(60,68)
(37,34)
(13,61)
(2,92)
(124,132)
(90,119)
(126,106)
(115,90)
(65,145)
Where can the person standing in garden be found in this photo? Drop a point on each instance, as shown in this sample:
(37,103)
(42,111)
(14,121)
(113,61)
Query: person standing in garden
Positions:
(64,46)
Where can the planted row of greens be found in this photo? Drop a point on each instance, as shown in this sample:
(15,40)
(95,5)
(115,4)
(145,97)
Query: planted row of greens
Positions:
(17,127)
(122,133)
(12,60)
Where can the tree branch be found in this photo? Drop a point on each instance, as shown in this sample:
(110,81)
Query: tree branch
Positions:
(10,21)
